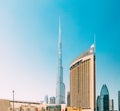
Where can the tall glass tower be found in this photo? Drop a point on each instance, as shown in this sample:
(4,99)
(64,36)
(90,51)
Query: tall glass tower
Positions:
(60,87)
(104,99)
(98,103)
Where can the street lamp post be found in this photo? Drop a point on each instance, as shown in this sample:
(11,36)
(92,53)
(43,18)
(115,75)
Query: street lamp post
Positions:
(13,100)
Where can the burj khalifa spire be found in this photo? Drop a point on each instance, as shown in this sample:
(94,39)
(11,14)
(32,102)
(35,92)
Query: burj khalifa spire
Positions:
(60,87)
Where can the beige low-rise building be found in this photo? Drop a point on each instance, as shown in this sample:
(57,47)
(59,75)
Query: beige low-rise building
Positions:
(7,105)
(4,105)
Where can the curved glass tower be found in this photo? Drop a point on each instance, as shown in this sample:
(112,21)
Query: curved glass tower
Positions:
(98,103)
(104,99)
(60,87)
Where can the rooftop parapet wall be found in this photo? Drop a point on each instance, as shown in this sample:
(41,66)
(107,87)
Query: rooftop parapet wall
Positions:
(86,53)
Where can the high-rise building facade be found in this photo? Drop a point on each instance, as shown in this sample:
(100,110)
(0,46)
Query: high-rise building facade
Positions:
(118,100)
(52,100)
(68,98)
(60,87)
(46,99)
(83,81)
(98,104)
(103,100)
(111,105)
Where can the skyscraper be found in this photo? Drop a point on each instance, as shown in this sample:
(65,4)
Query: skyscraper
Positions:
(52,100)
(60,87)
(83,80)
(98,104)
(104,99)
(46,99)
(111,105)
(68,98)
(118,100)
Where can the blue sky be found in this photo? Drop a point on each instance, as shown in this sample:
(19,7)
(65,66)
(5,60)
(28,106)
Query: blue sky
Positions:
(28,44)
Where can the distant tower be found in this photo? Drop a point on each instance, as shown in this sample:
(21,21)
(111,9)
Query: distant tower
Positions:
(52,100)
(118,100)
(104,99)
(60,87)
(68,98)
(111,105)
(46,99)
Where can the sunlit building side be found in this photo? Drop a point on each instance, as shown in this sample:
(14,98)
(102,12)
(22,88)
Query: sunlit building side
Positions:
(111,105)
(83,81)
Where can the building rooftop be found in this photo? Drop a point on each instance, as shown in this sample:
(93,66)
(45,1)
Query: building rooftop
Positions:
(86,53)
(104,90)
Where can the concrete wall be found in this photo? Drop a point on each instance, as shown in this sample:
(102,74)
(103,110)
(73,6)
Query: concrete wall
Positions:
(4,105)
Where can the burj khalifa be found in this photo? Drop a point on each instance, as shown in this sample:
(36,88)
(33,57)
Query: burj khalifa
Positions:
(60,86)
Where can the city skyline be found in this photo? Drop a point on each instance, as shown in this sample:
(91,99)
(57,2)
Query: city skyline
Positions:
(28,44)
